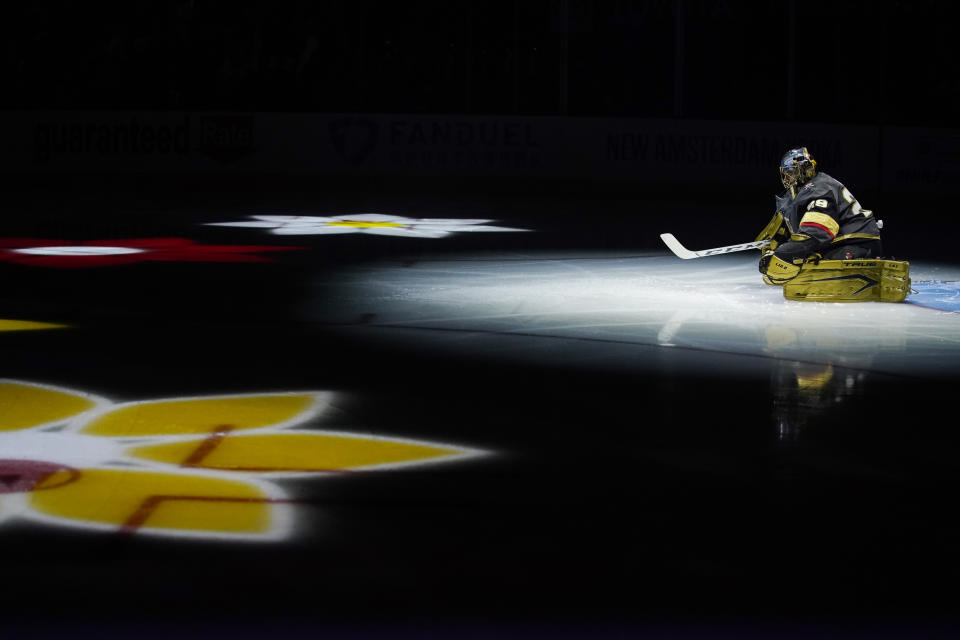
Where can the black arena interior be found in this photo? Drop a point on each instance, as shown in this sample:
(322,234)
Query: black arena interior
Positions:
(347,320)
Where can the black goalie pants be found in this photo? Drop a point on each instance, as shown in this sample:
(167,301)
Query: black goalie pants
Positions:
(869,249)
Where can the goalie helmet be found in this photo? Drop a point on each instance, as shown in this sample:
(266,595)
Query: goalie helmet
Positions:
(797,167)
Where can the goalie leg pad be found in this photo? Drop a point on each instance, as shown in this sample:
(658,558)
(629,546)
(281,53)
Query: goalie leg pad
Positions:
(851,281)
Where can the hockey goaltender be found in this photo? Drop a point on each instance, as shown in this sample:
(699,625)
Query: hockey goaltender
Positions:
(823,245)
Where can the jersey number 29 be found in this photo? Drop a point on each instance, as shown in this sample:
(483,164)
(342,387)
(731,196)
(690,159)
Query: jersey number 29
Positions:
(857,209)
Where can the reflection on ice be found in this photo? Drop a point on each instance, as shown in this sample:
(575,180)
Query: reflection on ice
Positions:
(642,312)
(804,393)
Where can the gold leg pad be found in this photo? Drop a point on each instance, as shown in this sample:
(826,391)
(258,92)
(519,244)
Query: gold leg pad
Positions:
(851,281)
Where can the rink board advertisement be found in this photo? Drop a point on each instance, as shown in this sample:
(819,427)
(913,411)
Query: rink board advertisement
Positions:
(682,151)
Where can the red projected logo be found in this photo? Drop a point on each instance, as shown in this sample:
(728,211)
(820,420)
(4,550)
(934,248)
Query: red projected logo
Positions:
(107,253)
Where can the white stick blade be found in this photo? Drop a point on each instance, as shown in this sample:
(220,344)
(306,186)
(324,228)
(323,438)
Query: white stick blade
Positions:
(677,248)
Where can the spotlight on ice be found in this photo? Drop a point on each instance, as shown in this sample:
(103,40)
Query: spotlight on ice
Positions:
(636,312)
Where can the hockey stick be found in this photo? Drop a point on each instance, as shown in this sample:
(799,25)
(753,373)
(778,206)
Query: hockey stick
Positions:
(686,254)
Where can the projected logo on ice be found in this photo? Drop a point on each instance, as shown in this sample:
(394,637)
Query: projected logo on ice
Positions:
(109,253)
(7,324)
(202,467)
(372,223)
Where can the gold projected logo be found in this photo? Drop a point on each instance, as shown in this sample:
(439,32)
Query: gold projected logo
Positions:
(370,223)
(203,467)
(27,325)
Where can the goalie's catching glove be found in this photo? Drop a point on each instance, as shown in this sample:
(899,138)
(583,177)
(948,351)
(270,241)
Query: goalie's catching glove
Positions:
(775,270)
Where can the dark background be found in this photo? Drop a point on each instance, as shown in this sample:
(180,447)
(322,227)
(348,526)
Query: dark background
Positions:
(850,63)
(794,531)
(847,61)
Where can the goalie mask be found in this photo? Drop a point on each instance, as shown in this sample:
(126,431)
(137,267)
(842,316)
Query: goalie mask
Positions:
(797,167)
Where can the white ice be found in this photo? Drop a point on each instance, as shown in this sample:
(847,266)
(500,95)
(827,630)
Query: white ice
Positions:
(639,312)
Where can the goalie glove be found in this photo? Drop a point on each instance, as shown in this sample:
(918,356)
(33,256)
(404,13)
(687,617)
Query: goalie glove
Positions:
(777,271)
(776,232)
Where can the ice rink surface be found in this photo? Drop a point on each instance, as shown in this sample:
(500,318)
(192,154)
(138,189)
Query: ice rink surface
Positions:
(567,432)
(637,313)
